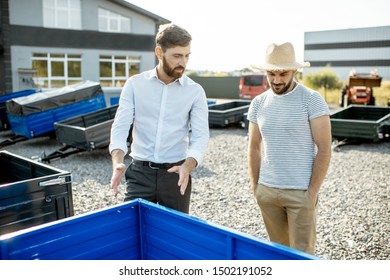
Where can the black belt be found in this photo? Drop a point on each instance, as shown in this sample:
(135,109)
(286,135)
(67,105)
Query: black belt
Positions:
(154,165)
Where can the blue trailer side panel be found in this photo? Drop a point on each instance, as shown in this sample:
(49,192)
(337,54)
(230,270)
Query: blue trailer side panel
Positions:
(4,123)
(139,230)
(15,94)
(41,123)
(109,234)
(174,235)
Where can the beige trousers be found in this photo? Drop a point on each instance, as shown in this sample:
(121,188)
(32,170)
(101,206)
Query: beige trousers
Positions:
(289,216)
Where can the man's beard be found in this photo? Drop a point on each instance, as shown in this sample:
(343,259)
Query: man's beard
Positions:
(284,89)
(171,71)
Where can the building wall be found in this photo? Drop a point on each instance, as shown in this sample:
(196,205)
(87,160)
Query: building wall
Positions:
(27,36)
(362,49)
(19,8)
(90,59)
(89,15)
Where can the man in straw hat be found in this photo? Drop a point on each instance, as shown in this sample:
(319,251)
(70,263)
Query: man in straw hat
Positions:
(289,150)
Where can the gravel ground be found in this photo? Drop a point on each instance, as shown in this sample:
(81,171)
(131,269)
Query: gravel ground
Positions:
(354,201)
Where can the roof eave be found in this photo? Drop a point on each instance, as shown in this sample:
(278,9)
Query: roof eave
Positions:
(156,18)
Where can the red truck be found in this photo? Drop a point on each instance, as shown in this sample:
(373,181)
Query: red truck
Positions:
(359,89)
(252,84)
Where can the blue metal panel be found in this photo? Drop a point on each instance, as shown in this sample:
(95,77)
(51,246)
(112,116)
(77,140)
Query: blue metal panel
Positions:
(114,100)
(41,123)
(252,249)
(173,235)
(8,96)
(168,236)
(109,234)
(211,102)
(139,230)
(4,123)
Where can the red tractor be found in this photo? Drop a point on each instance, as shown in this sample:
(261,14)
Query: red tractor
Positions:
(359,89)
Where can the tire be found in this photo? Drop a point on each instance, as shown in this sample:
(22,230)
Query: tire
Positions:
(341,99)
(372,101)
(347,101)
(343,93)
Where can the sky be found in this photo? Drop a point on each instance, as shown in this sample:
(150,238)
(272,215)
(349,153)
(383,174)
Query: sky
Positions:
(232,35)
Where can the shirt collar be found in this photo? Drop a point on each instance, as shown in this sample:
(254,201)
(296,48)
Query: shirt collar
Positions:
(153,74)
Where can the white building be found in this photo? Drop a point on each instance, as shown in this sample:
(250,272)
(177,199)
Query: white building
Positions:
(55,43)
(362,49)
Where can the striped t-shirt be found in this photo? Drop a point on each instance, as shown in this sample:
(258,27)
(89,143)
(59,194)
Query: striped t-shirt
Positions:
(288,149)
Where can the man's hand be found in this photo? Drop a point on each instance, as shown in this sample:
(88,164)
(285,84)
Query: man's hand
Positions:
(118,169)
(117,173)
(184,172)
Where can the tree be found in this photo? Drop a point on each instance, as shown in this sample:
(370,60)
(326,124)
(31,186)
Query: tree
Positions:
(325,79)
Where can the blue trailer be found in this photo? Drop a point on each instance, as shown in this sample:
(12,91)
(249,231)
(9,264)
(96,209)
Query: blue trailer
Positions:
(35,114)
(4,123)
(139,230)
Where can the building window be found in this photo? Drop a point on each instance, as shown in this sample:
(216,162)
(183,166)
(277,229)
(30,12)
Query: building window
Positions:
(113,22)
(62,14)
(115,70)
(56,70)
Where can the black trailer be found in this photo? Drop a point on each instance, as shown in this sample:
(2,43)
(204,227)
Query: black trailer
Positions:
(361,122)
(86,132)
(32,193)
(228,113)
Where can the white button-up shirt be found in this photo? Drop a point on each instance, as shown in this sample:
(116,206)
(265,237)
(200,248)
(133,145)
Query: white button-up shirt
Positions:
(170,121)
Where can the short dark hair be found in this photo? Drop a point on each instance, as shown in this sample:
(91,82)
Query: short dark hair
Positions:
(170,35)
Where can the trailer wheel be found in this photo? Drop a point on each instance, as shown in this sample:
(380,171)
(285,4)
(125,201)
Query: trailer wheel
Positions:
(372,100)
(347,101)
(341,98)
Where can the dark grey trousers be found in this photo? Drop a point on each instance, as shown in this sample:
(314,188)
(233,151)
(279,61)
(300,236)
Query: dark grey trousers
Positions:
(156,185)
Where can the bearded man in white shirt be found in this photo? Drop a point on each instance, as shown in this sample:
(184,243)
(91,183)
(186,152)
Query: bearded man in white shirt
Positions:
(169,115)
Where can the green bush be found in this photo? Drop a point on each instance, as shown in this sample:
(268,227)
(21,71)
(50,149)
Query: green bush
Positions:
(324,79)
(382,94)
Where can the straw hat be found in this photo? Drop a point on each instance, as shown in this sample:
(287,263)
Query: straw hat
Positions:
(281,57)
